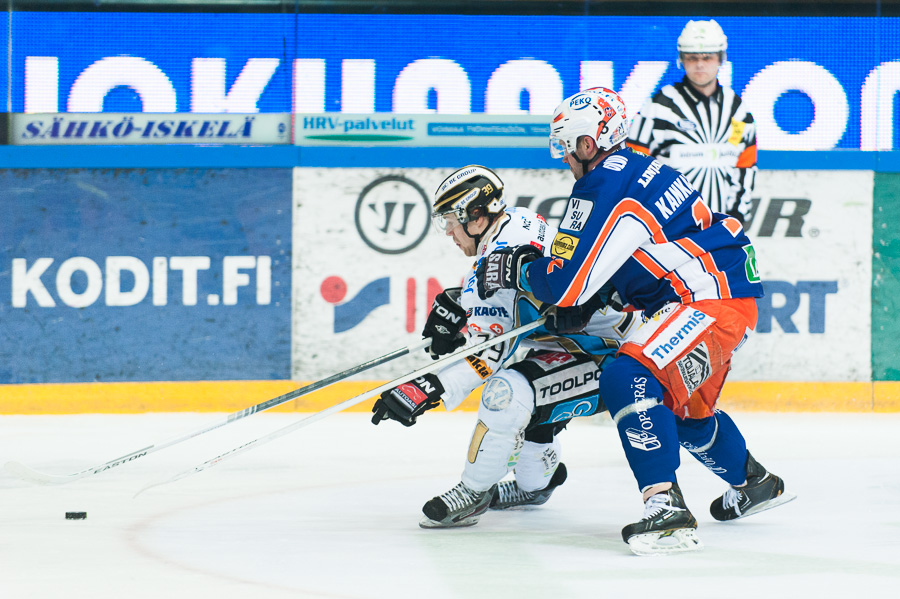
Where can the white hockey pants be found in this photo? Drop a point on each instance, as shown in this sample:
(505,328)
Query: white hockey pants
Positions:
(498,443)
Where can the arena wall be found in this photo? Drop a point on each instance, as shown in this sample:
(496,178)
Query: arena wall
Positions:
(173,279)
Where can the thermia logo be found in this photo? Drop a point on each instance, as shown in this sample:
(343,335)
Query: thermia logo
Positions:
(677,333)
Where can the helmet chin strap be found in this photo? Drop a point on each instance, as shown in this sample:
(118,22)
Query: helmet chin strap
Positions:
(478,236)
(585,163)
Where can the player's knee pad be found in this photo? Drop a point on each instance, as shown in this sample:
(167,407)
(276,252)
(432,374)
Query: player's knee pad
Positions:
(507,402)
(716,443)
(646,427)
(506,405)
(537,463)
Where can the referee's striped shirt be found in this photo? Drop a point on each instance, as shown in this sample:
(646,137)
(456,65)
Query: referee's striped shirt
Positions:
(712,141)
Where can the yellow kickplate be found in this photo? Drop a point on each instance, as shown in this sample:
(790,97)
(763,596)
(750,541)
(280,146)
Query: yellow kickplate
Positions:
(231,396)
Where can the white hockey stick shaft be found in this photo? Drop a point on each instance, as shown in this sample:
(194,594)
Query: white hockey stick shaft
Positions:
(437,365)
(29,474)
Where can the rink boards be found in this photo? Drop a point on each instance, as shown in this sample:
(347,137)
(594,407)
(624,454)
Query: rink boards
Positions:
(213,289)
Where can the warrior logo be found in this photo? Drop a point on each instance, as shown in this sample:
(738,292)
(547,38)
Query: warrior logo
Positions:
(392,214)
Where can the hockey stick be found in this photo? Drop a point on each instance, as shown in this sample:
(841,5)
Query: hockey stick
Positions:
(350,402)
(29,474)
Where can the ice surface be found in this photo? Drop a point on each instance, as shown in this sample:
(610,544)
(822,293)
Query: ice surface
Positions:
(332,511)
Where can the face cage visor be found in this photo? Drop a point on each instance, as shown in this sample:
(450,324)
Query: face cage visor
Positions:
(445,222)
(558,147)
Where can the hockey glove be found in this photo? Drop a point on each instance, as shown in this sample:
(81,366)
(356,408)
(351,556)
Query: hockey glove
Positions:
(606,297)
(405,402)
(566,321)
(502,269)
(444,324)
(572,319)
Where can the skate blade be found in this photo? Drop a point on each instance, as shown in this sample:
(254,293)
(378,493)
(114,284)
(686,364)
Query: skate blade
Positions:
(767,505)
(520,506)
(665,543)
(427,522)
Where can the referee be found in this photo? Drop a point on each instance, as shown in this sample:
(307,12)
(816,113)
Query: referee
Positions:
(700,127)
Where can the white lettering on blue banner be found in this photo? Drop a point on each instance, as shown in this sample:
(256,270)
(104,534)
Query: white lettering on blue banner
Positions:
(147,128)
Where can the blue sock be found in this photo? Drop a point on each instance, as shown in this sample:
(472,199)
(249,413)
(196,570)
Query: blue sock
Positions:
(717,443)
(647,428)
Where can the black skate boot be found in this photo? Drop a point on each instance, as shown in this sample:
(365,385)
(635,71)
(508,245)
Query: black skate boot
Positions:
(763,491)
(510,495)
(460,506)
(667,526)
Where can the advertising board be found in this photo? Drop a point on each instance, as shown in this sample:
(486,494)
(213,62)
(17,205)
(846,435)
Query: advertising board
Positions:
(145,275)
(148,129)
(808,88)
(367,265)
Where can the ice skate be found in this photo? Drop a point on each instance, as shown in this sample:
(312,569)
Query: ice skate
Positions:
(460,506)
(763,491)
(667,526)
(509,494)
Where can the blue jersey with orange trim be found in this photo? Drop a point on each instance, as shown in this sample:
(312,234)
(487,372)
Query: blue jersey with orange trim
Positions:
(638,224)
(509,308)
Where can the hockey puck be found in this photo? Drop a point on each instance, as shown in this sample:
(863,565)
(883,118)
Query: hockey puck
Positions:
(76,515)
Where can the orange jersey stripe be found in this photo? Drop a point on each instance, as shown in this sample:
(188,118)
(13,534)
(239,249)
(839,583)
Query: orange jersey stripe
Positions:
(734,226)
(649,263)
(680,288)
(702,214)
(659,272)
(626,208)
(709,265)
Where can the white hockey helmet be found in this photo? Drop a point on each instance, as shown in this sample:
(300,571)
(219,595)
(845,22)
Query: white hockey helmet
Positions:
(702,37)
(467,194)
(597,112)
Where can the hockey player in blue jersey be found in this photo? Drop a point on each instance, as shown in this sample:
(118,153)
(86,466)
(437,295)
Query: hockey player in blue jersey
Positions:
(636,234)
(525,403)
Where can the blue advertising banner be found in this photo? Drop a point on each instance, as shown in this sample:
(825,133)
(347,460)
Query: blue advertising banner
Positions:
(813,83)
(4,66)
(145,275)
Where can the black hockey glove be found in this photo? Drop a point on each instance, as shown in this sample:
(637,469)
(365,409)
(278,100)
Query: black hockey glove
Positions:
(569,320)
(445,323)
(501,269)
(572,319)
(405,402)
(607,296)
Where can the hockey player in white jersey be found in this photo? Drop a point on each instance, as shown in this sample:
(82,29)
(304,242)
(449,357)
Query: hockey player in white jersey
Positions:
(525,404)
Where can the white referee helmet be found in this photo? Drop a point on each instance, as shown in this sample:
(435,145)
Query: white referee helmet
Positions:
(597,112)
(702,37)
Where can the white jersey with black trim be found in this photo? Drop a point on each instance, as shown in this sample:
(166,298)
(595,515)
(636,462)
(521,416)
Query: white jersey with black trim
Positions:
(712,141)
(507,309)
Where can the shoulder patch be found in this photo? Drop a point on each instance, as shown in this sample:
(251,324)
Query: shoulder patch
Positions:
(615,163)
(737,132)
(564,246)
(577,213)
